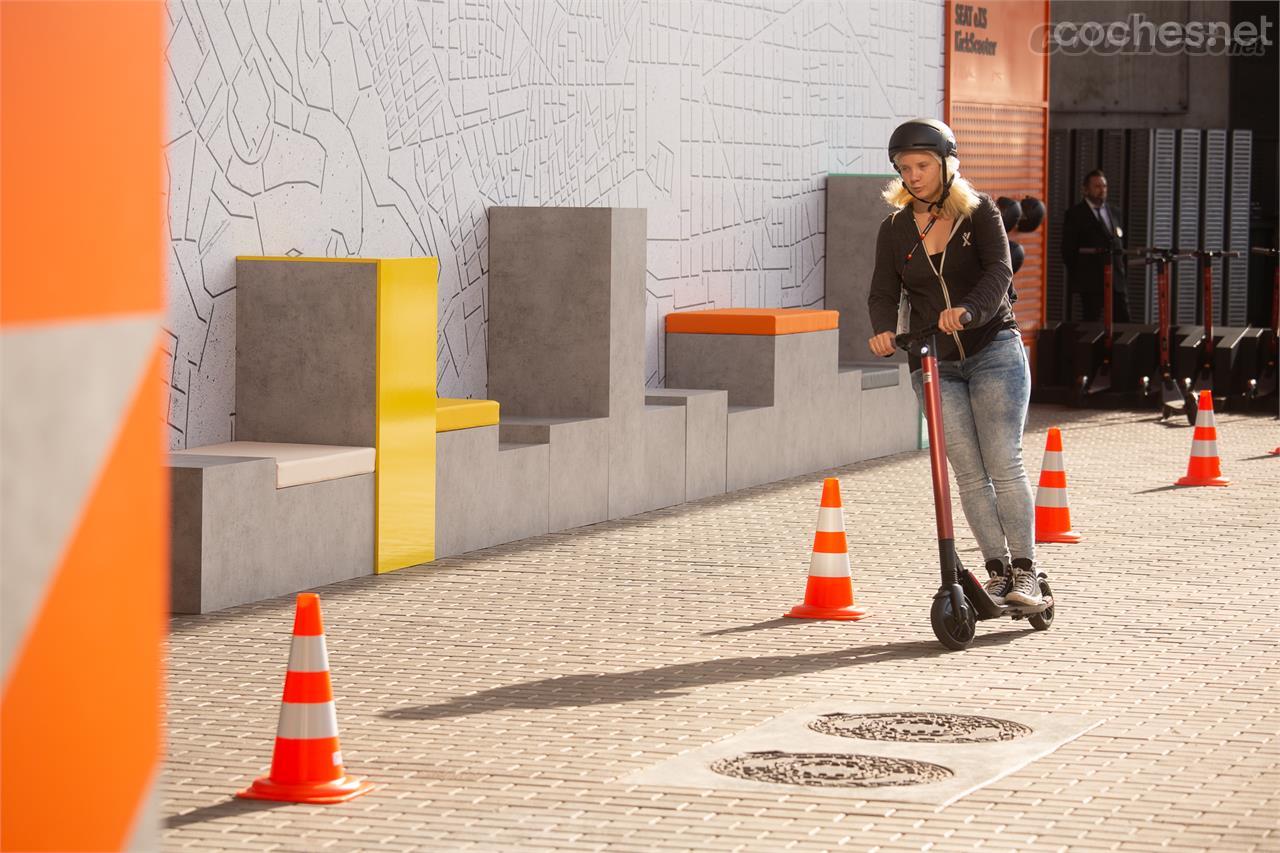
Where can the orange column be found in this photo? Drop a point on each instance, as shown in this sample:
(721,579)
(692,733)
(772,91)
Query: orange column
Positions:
(997,101)
(83,551)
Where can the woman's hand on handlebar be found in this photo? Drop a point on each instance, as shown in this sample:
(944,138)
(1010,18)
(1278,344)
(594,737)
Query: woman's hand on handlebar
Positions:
(952,320)
(882,344)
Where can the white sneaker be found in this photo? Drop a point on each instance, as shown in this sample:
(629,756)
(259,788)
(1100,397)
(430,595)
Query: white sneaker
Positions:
(997,586)
(1025,591)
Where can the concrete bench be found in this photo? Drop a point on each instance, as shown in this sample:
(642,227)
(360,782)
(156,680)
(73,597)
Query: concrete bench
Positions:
(503,480)
(252,520)
(788,409)
(491,488)
(889,417)
(792,408)
(706,413)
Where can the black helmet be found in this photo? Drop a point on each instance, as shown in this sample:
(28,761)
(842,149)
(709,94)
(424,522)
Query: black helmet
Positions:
(922,134)
(1016,256)
(1032,214)
(1010,213)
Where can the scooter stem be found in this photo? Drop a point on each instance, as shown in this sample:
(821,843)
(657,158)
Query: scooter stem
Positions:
(938,469)
(1162,296)
(937,442)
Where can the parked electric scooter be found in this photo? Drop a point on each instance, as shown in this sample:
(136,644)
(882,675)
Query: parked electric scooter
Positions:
(1100,380)
(1265,384)
(960,602)
(1174,396)
(1204,374)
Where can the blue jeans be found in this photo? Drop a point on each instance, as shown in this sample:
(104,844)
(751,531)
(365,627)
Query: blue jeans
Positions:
(984,411)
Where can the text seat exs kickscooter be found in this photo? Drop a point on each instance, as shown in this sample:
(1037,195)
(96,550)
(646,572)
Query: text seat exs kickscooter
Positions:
(961,601)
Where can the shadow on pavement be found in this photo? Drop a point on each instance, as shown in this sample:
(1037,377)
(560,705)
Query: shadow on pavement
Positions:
(669,681)
(226,808)
(780,622)
(1172,488)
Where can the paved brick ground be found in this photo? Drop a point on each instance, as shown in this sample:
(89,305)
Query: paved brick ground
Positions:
(498,696)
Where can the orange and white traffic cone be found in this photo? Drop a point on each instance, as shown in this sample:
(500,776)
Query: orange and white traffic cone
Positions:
(1204,468)
(307,764)
(829,592)
(1053,515)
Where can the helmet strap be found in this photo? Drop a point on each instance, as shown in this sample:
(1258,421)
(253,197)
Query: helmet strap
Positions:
(946,187)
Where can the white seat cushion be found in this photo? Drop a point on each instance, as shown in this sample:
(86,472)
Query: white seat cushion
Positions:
(297,464)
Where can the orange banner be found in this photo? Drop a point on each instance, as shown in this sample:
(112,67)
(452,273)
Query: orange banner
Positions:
(992,52)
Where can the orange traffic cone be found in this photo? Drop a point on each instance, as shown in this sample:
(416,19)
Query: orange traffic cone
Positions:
(829,592)
(1053,515)
(307,764)
(1204,467)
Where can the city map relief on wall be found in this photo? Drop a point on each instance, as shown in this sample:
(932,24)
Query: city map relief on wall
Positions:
(383,128)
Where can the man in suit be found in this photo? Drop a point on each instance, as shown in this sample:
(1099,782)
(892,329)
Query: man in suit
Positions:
(1092,223)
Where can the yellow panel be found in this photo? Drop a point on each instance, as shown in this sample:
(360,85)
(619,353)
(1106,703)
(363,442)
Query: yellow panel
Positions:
(464,414)
(406,413)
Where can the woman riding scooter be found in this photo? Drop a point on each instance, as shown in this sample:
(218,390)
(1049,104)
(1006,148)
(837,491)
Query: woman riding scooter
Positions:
(946,250)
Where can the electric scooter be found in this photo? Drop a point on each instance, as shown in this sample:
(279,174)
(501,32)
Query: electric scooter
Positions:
(1101,379)
(961,602)
(1204,375)
(1173,396)
(1265,384)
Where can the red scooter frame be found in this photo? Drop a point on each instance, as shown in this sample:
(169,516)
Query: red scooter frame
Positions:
(1101,379)
(1265,384)
(960,601)
(1204,377)
(1174,396)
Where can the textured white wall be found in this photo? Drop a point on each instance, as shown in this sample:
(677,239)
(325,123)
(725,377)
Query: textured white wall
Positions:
(387,127)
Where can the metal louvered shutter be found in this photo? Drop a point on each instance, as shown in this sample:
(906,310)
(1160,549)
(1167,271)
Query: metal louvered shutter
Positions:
(1152,157)
(1237,285)
(1084,159)
(1112,160)
(1061,197)
(1214,209)
(1187,228)
(1084,153)
(1164,154)
(1138,218)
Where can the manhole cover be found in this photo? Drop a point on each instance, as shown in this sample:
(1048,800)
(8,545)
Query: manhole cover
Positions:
(923,727)
(830,769)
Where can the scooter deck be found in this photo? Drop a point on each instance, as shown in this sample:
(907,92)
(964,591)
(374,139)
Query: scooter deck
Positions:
(985,608)
(1018,611)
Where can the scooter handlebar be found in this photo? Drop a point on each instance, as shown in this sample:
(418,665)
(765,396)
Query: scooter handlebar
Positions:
(907,340)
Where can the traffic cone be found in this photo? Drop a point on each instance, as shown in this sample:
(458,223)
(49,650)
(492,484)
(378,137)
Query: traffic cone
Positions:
(1053,515)
(307,764)
(829,592)
(1204,467)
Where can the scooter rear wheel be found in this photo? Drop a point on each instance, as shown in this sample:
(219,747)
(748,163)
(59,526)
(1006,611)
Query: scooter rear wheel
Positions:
(1042,620)
(955,631)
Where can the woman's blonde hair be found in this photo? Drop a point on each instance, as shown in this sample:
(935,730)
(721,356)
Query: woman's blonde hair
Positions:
(961,201)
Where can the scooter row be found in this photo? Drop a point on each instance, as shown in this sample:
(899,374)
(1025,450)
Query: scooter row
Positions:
(1123,365)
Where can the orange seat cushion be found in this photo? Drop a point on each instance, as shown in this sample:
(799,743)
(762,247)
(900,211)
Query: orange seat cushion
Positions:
(753,321)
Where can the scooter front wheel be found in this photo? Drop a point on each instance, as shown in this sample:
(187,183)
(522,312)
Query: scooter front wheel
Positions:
(953,630)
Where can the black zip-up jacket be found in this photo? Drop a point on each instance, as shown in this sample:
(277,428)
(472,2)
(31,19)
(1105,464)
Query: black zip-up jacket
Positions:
(975,268)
